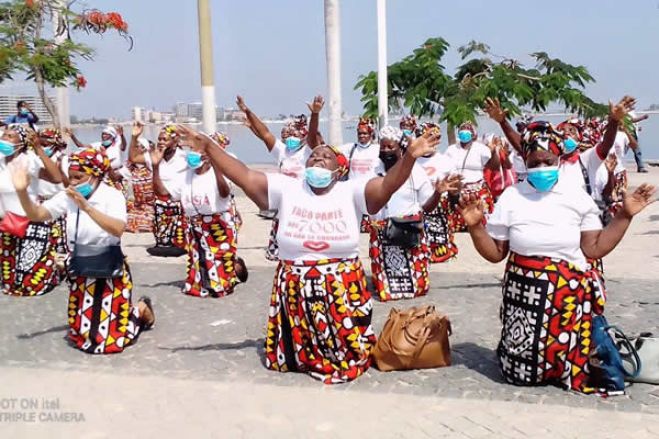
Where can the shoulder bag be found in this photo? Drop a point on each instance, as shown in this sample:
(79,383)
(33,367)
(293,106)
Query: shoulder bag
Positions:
(13,223)
(606,365)
(96,261)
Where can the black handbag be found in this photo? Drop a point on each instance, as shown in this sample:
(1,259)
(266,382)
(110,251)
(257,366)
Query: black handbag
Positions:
(403,232)
(96,261)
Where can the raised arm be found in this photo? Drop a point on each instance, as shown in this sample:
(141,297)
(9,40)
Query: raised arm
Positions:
(69,133)
(134,154)
(256,125)
(640,118)
(617,113)
(21,179)
(499,115)
(380,189)
(472,210)
(449,184)
(51,171)
(599,243)
(494,163)
(315,107)
(253,183)
(158,186)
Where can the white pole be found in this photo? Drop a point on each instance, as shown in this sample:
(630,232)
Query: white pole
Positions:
(61,93)
(383,86)
(333,55)
(206,59)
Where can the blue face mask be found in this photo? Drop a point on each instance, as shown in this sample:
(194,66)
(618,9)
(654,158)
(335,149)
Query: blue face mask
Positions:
(106,143)
(292,144)
(570,145)
(24,111)
(318,178)
(48,150)
(194,159)
(7,148)
(85,189)
(465,136)
(543,178)
(407,133)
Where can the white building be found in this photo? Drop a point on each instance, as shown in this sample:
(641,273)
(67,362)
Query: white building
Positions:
(138,114)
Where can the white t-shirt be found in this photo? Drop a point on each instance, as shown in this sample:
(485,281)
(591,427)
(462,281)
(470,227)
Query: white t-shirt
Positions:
(410,197)
(437,166)
(572,174)
(601,180)
(199,194)
(477,155)
(172,172)
(290,163)
(314,227)
(8,198)
(519,166)
(363,160)
(545,224)
(105,199)
(620,147)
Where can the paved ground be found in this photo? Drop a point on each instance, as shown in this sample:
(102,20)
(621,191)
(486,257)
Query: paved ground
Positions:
(200,370)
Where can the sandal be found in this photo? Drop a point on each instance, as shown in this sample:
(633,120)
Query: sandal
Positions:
(147,301)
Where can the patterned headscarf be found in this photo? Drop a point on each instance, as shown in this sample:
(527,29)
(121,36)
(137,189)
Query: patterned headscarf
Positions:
(54,136)
(470,127)
(366,123)
(577,123)
(408,120)
(90,161)
(341,160)
(221,138)
(429,126)
(542,136)
(23,132)
(170,131)
(300,125)
(391,133)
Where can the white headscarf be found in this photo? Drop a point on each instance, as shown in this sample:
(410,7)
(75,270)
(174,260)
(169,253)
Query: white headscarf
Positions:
(391,133)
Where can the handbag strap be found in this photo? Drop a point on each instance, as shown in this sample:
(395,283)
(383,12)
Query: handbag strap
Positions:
(586,177)
(623,340)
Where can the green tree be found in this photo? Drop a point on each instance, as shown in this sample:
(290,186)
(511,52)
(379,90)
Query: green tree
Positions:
(37,39)
(420,83)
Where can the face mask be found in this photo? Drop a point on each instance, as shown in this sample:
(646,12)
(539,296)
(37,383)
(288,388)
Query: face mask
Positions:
(48,150)
(388,158)
(194,159)
(407,133)
(292,144)
(24,111)
(106,143)
(85,189)
(7,148)
(543,178)
(570,145)
(465,136)
(318,178)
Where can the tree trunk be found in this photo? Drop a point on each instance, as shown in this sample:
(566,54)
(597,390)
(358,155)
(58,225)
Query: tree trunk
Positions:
(50,106)
(450,133)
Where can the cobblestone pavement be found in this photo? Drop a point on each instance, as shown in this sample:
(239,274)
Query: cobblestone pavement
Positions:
(222,339)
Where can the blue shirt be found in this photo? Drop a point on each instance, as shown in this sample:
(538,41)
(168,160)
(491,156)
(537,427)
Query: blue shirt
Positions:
(19,118)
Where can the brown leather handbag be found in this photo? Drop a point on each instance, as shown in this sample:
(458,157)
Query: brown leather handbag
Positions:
(416,338)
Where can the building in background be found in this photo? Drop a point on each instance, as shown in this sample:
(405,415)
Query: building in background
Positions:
(138,114)
(8,106)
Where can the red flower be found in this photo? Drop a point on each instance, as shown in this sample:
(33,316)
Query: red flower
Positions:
(81,82)
(29,3)
(115,20)
(96,17)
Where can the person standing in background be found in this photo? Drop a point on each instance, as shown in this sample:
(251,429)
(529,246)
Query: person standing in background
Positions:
(638,155)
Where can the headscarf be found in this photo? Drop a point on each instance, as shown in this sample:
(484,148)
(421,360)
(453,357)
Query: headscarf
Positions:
(391,133)
(470,127)
(53,135)
(428,126)
(23,132)
(299,124)
(366,123)
(221,138)
(542,136)
(90,161)
(577,123)
(170,131)
(408,119)
(112,132)
(341,160)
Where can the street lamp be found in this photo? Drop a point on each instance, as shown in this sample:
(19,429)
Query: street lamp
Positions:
(206,59)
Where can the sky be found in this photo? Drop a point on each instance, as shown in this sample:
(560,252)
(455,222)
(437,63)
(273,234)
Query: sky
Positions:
(273,51)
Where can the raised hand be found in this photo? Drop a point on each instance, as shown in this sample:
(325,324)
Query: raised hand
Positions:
(611,162)
(194,138)
(317,104)
(424,145)
(19,175)
(618,111)
(451,183)
(241,104)
(77,198)
(472,209)
(120,130)
(138,129)
(495,144)
(642,197)
(494,110)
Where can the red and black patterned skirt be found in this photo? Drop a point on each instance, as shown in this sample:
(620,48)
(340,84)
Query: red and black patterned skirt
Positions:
(320,320)
(440,237)
(547,314)
(169,225)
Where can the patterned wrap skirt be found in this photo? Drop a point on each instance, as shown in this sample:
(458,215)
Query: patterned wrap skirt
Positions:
(169,225)
(440,237)
(140,208)
(211,257)
(547,313)
(272,251)
(456,222)
(102,318)
(320,320)
(397,273)
(235,219)
(28,264)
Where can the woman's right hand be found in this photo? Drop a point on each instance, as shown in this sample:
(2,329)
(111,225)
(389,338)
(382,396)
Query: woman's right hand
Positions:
(472,209)
(424,145)
(494,110)
(19,175)
(199,141)
(138,129)
(241,104)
